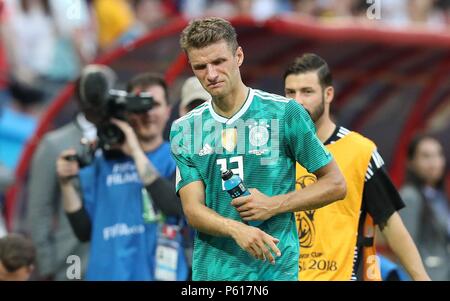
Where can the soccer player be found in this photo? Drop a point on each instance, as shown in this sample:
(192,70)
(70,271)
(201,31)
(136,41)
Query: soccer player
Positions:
(258,135)
(337,241)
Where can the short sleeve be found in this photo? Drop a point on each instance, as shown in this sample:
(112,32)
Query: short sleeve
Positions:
(380,195)
(301,139)
(186,171)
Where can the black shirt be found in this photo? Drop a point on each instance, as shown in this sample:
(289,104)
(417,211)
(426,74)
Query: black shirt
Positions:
(380,197)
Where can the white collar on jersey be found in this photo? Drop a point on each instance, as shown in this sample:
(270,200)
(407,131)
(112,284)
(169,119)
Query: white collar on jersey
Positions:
(238,114)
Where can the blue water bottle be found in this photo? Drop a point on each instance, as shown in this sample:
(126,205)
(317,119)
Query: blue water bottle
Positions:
(236,188)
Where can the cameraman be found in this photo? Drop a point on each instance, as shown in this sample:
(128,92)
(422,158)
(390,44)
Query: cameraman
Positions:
(110,211)
(50,229)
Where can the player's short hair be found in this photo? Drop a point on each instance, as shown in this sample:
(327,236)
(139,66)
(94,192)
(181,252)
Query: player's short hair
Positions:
(311,62)
(204,32)
(146,80)
(16,251)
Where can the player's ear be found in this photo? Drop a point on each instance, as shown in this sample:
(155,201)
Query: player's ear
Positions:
(239,56)
(329,94)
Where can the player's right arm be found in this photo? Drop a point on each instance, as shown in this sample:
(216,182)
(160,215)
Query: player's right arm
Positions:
(253,240)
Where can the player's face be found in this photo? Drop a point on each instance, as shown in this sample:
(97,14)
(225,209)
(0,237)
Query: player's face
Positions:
(306,90)
(429,161)
(217,67)
(151,124)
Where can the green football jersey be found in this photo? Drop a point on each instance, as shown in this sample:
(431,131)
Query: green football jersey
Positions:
(261,143)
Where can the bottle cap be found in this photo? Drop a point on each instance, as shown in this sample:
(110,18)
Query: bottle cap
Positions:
(226,174)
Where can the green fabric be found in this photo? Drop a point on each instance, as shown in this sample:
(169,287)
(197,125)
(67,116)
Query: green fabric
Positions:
(272,134)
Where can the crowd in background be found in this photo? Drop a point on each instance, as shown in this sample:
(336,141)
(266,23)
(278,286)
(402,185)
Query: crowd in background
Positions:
(45,44)
(428,14)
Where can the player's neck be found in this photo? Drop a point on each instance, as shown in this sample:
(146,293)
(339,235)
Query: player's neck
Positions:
(228,105)
(325,128)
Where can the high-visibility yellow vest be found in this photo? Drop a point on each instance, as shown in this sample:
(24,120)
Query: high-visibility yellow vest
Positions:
(328,236)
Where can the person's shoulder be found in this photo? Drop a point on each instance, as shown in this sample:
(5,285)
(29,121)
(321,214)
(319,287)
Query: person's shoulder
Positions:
(266,96)
(278,104)
(357,138)
(162,159)
(62,133)
(60,138)
(189,117)
(164,147)
(16,123)
(409,193)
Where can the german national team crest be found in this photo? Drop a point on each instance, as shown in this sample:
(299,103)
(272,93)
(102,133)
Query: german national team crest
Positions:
(229,139)
(258,137)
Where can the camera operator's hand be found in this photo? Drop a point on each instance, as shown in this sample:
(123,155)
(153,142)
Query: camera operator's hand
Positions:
(131,145)
(66,166)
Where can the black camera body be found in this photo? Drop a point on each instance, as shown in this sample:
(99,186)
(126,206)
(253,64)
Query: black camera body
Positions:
(85,156)
(116,105)
(96,94)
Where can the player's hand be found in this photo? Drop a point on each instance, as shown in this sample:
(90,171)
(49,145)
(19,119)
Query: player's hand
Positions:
(257,242)
(131,144)
(256,206)
(67,166)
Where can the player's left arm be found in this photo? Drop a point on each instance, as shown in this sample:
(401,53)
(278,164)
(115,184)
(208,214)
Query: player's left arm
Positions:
(305,147)
(330,187)
(401,243)
(302,145)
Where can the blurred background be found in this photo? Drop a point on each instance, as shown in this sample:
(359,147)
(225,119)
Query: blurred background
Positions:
(390,60)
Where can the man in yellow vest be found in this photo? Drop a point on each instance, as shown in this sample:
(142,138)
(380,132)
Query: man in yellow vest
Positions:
(337,241)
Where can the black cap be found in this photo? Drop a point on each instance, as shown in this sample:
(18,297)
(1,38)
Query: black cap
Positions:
(226,174)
